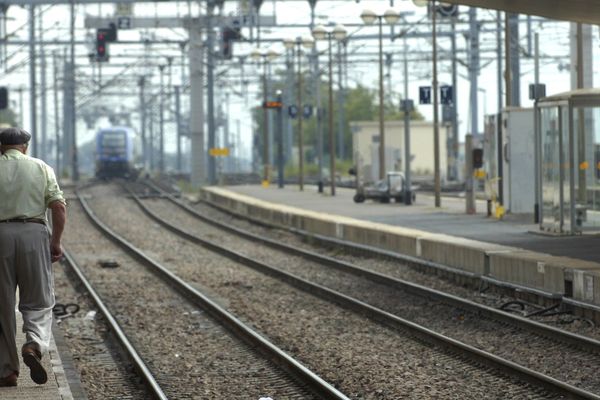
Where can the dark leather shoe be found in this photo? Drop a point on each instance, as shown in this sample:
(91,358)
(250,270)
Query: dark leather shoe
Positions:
(32,357)
(10,380)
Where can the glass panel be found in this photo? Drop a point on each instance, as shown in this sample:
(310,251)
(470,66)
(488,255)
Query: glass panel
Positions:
(586,132)
(550,168)
(565,169)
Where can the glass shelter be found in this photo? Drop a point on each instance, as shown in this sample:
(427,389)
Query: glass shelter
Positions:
(568,162)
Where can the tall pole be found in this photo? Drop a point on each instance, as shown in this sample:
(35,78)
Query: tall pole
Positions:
(515,63)
(151,136)
(56,119)
(341,119)
(142,84)
(469,181)
(300,117)
(67,155)
(499,58)
(32,83)
(161,126)
(197,118)
(507,69)
(580,134)
(178,121)
(271,125)
(289,98)
(280,143)
(436,127)
(238,144)
(266,178)
(454,152)
(330,120)
(407,110)
(473,68)
(381,122)
(212,172)
(43,93)
(72,99)
(499,144)
(227,134)
(536,74)
(319,116)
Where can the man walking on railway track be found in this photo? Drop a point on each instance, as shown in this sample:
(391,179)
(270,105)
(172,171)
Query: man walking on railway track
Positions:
(27,250)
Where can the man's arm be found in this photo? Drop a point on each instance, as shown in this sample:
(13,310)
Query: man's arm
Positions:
(59,218)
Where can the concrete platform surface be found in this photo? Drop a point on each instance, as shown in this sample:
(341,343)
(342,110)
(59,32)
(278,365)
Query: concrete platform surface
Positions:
(57,387)
(449,219)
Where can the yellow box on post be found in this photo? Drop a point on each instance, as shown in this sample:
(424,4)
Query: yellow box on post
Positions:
(219,152)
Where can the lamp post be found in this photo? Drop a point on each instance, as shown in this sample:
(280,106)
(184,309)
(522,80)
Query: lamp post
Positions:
(339,33)
(161,116)
(434,88)
(265,57)
(296,45)
(391,17)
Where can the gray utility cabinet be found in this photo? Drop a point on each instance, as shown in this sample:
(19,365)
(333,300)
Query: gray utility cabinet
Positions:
(518,160)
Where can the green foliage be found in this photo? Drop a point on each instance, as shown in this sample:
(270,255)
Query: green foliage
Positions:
(360,104)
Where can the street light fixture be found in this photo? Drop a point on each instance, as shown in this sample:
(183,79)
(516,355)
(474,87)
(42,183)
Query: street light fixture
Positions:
(296,45)
(339,33)
(391,17)
(265,56)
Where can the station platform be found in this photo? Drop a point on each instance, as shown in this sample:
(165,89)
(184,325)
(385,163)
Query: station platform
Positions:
(450,218)
(59,372)
(512,250)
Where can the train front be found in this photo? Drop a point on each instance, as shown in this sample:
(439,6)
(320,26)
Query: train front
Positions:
(114,153)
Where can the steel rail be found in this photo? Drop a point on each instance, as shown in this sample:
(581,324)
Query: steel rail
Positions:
(381,316)
(560,335)
(319,386)
(130,350)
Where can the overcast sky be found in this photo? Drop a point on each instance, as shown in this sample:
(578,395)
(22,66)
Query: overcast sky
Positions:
(362,54)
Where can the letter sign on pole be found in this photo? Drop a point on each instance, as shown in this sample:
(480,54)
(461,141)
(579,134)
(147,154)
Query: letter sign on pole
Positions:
(307,111)
(124,22)
(446,95)
(292,111)
(424,94)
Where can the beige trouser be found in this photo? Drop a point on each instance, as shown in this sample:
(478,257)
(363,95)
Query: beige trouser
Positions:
(24,262)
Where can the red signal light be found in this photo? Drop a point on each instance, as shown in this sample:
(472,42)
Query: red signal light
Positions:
(100,45)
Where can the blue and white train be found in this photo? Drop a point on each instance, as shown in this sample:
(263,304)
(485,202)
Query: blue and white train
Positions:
(117,152)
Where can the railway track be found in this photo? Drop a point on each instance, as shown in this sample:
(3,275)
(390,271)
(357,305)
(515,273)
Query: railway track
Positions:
(473,364)
(192,355)
(143,372)
(526,342)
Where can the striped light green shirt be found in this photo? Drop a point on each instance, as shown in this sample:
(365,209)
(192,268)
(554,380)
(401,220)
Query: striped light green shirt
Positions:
(27,186)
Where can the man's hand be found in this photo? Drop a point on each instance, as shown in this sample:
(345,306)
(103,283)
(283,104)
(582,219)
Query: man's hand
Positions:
(59,217)
(56,252)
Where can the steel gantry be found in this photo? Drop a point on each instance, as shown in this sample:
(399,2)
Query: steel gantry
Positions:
(201,67)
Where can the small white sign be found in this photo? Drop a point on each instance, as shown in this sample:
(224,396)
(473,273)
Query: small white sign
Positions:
(124,23)
(541,267)
(588,287)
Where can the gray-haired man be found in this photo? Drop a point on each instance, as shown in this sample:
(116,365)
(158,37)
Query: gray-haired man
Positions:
(27,250)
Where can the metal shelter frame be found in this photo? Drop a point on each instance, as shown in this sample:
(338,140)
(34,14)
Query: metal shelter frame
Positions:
(567,163)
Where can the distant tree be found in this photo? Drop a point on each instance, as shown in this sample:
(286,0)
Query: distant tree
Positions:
(360,104)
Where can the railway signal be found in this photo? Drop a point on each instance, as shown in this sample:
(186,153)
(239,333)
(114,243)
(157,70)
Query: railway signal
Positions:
(3,98)
(101,39)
